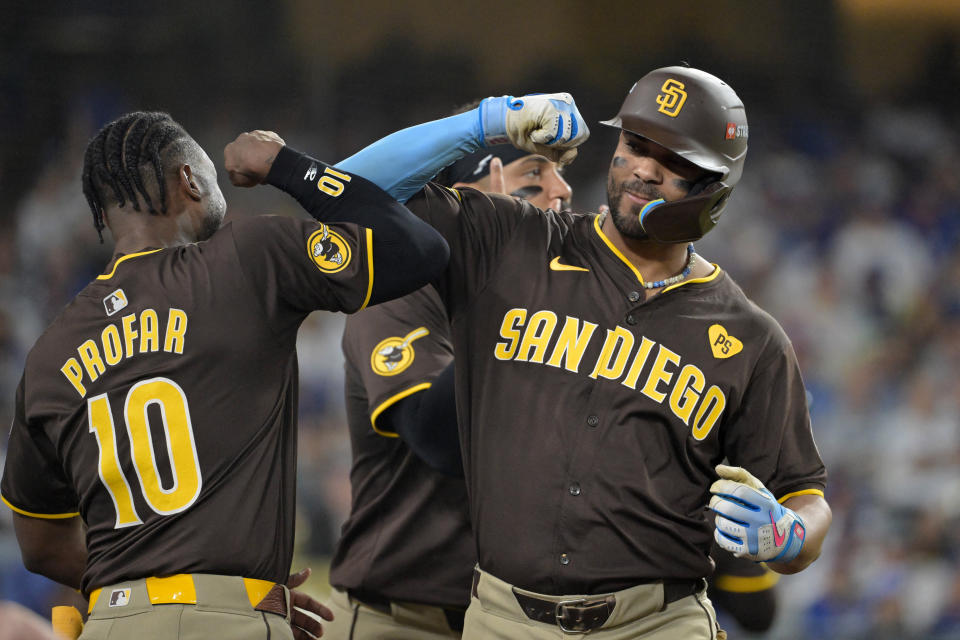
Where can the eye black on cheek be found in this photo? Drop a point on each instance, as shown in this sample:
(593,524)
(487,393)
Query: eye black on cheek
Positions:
(525,193)
(619,161)
(686,185)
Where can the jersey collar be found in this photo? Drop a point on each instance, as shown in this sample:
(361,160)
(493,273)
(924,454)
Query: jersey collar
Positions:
(616,252)
(107,276)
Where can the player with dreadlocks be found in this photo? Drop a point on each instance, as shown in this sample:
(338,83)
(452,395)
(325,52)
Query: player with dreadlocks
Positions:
(189,339)
(114,156)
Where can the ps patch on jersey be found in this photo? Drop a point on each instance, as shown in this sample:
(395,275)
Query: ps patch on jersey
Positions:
(393,355)
(119,597)
(328,250)
(115,302)
(722,343)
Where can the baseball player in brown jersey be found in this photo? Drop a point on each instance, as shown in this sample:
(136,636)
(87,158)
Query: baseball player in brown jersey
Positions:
(160,405)
(606,371)
(404,562)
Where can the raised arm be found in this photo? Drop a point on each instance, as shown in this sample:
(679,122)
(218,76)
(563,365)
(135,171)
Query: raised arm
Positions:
(401,163)
(331,195)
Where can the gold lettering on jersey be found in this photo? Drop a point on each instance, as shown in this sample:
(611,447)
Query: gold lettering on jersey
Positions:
(149,340)
(638,361)
(571,344)
(71,369)
(129,333)
(90,357)
(686,393)
(510,333)
(613,356)
(176,329)
(538,334)
(119,340)
(112,349)
(714,402)
(660,374)
(667,380)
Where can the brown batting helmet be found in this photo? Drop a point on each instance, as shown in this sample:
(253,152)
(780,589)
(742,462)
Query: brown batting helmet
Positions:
(700,118)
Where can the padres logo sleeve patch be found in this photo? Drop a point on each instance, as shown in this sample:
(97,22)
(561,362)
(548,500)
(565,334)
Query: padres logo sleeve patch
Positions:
(393,355)
(328,250)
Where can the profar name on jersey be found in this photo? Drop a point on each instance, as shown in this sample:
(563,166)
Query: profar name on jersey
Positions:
(528,337)
(130,336)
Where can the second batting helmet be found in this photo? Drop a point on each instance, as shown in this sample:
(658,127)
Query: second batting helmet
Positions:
(700,118)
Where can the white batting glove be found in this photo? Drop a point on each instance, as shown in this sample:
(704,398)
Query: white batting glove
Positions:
(548,124)
(750,523)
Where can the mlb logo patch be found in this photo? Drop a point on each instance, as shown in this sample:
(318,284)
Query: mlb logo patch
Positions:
(119,597)
(115,301)
(731,131)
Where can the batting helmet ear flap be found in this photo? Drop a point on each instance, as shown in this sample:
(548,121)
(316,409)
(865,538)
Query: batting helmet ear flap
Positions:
(689,218)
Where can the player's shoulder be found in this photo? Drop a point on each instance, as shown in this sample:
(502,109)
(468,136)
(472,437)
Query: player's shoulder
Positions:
(757,320)
(61,336)
(471,200)
(255,224)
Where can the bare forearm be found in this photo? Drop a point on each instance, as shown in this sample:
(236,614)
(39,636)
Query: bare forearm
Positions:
(63,568)
(816,516)
(52,548)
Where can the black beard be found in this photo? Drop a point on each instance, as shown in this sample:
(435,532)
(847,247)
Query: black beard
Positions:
(628,223)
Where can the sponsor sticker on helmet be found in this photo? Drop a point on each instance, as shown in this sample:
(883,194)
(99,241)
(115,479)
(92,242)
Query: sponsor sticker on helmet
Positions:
(672,97)
(735,131)
(328,250)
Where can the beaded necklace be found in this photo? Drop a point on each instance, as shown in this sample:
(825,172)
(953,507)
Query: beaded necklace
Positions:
(691,256)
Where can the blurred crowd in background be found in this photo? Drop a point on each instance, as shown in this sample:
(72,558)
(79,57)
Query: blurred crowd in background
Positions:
(845,227)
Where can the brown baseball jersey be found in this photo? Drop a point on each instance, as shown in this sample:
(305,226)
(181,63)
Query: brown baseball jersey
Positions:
(408,536)
(161,403)
(592,418)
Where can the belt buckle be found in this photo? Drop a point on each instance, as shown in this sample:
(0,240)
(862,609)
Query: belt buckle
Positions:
(557,612)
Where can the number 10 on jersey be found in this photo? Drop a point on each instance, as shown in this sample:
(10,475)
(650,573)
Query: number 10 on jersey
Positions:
(181,449)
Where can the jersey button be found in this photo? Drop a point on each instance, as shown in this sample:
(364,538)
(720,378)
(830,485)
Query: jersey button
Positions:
(633,296)
(575,489)
(631,319)
(564,559)
(593,421)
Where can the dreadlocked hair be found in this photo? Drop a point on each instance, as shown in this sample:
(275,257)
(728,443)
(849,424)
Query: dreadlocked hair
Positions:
(114,157)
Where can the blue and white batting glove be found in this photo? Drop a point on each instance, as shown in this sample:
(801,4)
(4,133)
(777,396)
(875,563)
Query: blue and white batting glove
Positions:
(750,523)
(548,124)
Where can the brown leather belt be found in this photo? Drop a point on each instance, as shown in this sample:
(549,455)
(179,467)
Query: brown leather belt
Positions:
(382,604)
(577,616)
(584,614)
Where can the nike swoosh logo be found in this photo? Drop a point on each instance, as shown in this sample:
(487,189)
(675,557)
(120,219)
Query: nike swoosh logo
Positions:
(556,266)
(778,538)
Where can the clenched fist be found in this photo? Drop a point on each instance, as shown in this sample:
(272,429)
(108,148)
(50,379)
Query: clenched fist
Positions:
(248,158)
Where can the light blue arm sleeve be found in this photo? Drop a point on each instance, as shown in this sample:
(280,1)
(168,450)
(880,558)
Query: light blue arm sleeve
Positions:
(404,161)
